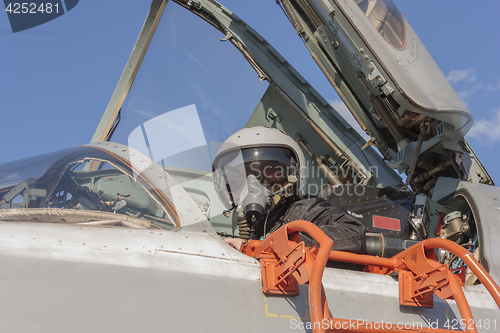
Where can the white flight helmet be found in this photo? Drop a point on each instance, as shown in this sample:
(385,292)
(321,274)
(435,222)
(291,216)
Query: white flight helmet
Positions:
(258,154)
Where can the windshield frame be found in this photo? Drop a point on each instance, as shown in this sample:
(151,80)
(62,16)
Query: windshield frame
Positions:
(111,115)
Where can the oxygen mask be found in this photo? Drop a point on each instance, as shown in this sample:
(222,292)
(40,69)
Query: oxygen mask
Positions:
(255,199)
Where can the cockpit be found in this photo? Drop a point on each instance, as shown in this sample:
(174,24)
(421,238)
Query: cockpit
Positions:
(85,186)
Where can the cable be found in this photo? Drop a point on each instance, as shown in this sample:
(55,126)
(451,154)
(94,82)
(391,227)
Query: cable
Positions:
(466,245)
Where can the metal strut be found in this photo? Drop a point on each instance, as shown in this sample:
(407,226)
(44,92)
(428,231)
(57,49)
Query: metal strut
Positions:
(285,262)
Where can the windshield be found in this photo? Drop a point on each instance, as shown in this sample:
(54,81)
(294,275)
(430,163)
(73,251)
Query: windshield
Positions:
(52,187)
(192,91)
(387,19)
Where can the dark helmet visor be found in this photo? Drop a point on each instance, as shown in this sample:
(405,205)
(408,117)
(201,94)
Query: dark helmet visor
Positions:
(270,165)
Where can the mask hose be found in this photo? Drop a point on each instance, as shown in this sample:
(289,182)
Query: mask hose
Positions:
(254,204)
(244,229)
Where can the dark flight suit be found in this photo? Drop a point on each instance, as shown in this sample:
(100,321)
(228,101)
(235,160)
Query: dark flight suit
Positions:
(347,233)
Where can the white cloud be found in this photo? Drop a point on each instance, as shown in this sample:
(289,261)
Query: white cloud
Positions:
(465,94)
(487,129)
(340,107)
(494,88)
(462,75)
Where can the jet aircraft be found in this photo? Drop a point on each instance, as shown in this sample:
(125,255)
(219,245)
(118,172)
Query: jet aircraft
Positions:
(125,233)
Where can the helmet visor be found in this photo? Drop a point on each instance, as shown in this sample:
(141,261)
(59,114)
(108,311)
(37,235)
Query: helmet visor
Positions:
(272,167)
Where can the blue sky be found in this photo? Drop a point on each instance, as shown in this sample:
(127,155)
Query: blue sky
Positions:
(56,79)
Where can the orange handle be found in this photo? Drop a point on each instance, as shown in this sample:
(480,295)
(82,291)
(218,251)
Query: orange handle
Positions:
(318,304)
